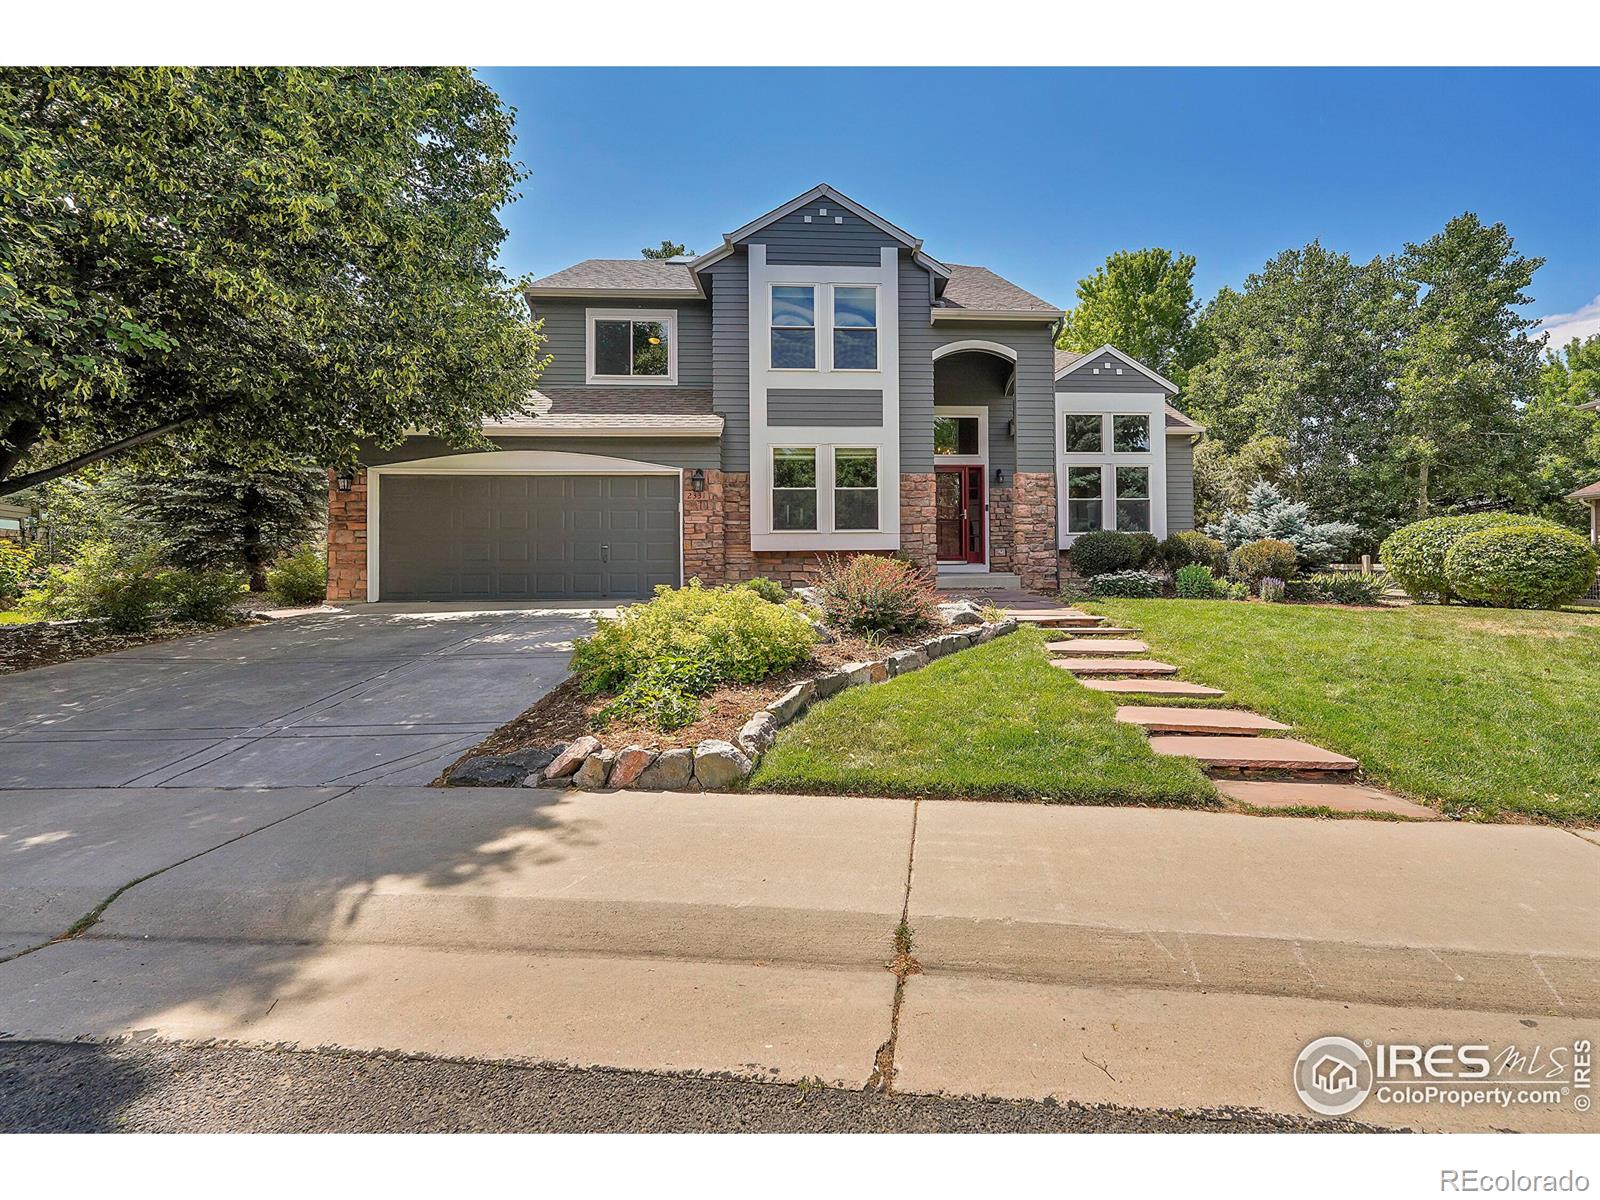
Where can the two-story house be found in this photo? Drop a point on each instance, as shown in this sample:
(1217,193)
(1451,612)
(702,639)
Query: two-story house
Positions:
(817,384)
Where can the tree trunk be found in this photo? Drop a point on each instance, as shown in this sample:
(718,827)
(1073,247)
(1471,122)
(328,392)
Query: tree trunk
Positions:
(1422,491)
(250,539)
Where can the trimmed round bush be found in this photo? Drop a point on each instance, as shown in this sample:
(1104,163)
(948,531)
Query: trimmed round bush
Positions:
(1190,548)
(1196,582)
(1414,554)
(1520,566)
(1131,585)
(1264,558)
(871,594)
(1108,550)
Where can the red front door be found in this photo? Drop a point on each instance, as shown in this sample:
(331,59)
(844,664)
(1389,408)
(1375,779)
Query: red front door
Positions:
(958,508)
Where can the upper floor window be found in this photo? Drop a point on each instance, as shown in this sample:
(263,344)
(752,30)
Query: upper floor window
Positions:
(794,328)
(632,346)
(855,328)
(1130,433)
(1083,434)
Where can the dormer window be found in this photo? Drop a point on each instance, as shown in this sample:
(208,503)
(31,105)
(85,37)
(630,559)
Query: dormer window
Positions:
(632,346)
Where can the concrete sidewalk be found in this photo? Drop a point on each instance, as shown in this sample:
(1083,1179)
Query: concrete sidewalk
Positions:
(1133,956)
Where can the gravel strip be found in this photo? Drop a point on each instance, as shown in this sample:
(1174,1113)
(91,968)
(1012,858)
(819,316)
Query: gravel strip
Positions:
(160,1087)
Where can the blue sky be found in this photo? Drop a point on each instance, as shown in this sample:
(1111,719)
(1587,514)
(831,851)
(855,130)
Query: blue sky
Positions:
(1040,173)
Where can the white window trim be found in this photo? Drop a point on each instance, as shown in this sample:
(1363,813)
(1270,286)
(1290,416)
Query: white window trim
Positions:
(877,318)
(504,462)
(1105,405)
(877,486)
(667,316)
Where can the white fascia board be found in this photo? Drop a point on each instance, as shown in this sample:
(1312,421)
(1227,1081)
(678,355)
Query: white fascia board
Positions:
(708,430)
(938,315)
(611,293)
(1108,348)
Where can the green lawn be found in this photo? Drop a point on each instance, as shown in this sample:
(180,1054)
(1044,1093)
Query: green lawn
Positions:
(1488,711)
(994,721)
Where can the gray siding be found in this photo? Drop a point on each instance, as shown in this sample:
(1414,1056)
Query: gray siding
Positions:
(1034,448)
(824,406)
(564,337)
(1083,379)
(668,452)
(851,242)
(1180,484)
(730,346)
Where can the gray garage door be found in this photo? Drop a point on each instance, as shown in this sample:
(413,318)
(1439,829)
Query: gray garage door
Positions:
(526,537)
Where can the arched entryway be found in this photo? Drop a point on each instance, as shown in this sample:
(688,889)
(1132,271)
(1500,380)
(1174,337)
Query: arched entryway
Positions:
(974,455)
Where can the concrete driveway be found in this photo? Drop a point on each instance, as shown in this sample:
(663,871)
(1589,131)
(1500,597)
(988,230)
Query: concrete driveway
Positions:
(389,692)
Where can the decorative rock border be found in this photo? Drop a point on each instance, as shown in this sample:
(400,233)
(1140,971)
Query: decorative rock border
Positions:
(714,765)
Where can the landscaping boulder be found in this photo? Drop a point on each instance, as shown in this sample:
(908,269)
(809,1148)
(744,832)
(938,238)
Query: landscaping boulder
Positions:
(793,702)
(808,595)
(831,684)
(984,633)
(857,673)
(488,770)
(631,763)
(961,612)
(1004,627)
(902,662)
(592,775)
(824,634)
(719,764)
(565,764)
(758,733)
(670,772)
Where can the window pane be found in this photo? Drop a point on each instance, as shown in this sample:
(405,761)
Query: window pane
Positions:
(611,352)
(794,306)
(855,307)
(855,349)
(855,509)
(855,468)
(1083,516)
(1083,482)
(1084,509)
(955,435)
(1083,433)
(1133,483)
(1130,434)
(649,348)
(794,468)
(794,349)
(1133,515)
(794,509)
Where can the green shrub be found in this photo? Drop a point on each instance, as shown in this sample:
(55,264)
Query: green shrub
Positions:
(299,580)
(1266,558)
(17,568)
(204,597)
(768,589)
(1520,566)
(873,595)
(1191,548)
(1414,554)
(659,656)
(1196,582)
(1108,550)
(107,582)
(1337,587)
(1133,585)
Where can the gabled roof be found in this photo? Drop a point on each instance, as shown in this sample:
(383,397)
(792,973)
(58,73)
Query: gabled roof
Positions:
(636,276)
(1177,422)
(822,191)
(1587,492)
(978,291)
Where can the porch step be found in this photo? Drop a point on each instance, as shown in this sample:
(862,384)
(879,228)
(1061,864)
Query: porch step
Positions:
(1337,797)
(1152,687)
(981,581)
(1197,720)
(1252,753)
(1114,666)
(1097,645)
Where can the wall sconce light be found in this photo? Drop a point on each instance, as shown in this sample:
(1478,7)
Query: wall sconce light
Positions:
(697,480)
(999,475)
(345,479)
(1011,428)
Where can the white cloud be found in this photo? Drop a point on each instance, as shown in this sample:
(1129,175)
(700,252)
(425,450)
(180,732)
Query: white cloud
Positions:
(1563,327)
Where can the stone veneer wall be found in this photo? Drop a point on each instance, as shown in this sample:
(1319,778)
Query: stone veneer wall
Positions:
(919,533)
(1000,527)
(704,515)
(347,539)
(1033,530)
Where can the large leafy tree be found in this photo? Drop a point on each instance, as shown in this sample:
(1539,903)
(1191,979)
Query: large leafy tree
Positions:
(1563,434)
(667,250)
(1297,384)
(1466,366)
(1142,302)
(297,257)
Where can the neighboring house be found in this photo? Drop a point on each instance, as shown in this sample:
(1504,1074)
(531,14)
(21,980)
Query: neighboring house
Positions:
(1590,495)
(817,384)
(13,522)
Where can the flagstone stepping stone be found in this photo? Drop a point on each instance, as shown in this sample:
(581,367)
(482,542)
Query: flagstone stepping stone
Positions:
(1064,620)
(1152,687)
(1252,753)
(1114,666)
(1339,797)
(1197,720)
(1094,631)
(1079,645)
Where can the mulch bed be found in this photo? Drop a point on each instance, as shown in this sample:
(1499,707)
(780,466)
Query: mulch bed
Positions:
(567,714)
(43,644)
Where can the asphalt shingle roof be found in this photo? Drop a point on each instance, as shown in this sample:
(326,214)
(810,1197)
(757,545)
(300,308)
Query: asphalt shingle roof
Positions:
(646,409)
(980,288)
(621,274)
